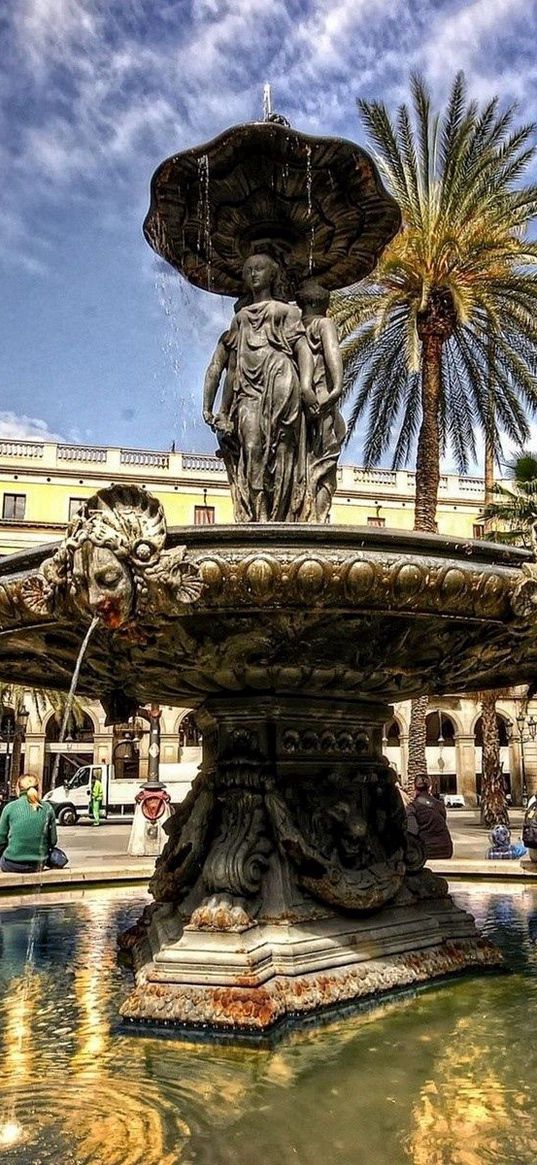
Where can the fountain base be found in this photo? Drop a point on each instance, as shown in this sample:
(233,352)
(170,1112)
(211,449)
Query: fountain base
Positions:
(289,882)
(250,978)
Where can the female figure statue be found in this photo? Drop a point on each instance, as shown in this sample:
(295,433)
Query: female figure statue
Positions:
(328,429)
(266,397)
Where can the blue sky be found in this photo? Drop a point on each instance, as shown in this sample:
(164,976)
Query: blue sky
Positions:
(99,343)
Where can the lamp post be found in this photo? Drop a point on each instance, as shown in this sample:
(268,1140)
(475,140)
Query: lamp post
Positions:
(522,731)
(7,735)
(19,731)
(152,716)
(440,762)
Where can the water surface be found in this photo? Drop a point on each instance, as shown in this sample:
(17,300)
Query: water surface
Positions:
(439,1077)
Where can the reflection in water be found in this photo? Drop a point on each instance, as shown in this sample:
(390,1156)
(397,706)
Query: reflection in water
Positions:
(438,1078)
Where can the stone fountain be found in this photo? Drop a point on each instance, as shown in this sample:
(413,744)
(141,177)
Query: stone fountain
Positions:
(288,881)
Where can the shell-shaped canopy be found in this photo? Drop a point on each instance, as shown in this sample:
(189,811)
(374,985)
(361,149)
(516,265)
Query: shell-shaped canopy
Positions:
(318,204)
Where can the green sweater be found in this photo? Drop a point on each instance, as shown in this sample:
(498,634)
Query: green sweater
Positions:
(29,833)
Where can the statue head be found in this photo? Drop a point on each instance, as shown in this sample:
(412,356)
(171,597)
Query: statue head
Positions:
(314,296)
(117,537)
(261,272)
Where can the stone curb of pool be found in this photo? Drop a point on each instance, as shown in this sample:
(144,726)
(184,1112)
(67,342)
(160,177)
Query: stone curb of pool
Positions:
(82,876)
(454,870)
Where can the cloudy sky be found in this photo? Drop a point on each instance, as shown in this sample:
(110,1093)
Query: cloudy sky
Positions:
(98,342)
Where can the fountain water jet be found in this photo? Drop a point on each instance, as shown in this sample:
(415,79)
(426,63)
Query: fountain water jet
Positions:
(71,696)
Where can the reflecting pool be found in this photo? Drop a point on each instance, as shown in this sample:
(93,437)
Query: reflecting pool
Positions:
(444,1076)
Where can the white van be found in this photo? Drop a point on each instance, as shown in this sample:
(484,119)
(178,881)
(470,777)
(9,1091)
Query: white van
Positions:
(72,800)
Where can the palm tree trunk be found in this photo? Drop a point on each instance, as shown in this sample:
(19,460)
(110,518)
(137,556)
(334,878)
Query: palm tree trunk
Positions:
(427,482)
(428,455)
(417,763)
(493,796)
(493,801)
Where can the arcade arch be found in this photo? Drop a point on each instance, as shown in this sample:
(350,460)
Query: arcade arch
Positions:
(77,749)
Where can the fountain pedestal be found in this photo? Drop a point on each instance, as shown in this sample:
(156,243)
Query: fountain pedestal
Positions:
(269,891)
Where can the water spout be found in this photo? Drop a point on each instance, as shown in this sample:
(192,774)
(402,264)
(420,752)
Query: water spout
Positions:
(267,102)
(71,696)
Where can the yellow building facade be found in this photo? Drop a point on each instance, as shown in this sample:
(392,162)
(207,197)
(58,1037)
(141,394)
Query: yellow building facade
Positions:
(43,483)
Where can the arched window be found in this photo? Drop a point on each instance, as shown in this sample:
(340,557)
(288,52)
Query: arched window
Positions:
(189,734)
(73,754)
(126,754)
(502,732)
(392,733)
(81,731)
(439,727)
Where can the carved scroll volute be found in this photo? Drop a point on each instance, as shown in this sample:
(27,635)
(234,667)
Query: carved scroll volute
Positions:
(239,856)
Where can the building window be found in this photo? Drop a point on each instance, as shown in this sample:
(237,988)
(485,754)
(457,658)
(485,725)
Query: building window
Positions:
(14,507)
(189,734)
(478,530)
(376,521)
(439,727)
(74,506)
(204,515)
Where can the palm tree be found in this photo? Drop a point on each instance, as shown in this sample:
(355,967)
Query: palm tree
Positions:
(513,508)
(454,289)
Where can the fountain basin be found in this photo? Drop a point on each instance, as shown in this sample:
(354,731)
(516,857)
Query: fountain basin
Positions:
(78,1086)
(381,615)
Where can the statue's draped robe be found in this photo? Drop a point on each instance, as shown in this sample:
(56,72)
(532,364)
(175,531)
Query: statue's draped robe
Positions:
(267,413)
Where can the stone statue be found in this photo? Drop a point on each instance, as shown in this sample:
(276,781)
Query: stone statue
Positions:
(327,430)
(267,397)
(113,563)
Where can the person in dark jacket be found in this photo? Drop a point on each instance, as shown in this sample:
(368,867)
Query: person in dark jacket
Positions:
(27,831)
(426,817)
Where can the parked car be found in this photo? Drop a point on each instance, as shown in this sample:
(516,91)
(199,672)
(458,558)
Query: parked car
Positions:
(453,800)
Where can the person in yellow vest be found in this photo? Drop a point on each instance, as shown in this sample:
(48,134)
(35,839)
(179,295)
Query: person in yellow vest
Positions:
(97,794)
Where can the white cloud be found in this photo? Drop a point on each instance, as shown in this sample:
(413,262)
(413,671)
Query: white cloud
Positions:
(473,38)
(49,29)
(107,92)
(23,428)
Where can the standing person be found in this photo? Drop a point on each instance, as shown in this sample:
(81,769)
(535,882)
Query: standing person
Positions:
(27,830)
(426,817)
(97,794)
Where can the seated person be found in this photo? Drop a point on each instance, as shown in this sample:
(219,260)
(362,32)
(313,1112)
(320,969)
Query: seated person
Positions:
(500,848)
(27,830)
(426,818)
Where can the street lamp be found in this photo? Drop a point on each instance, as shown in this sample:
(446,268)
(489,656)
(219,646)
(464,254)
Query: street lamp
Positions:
(7,733)
(526,730)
